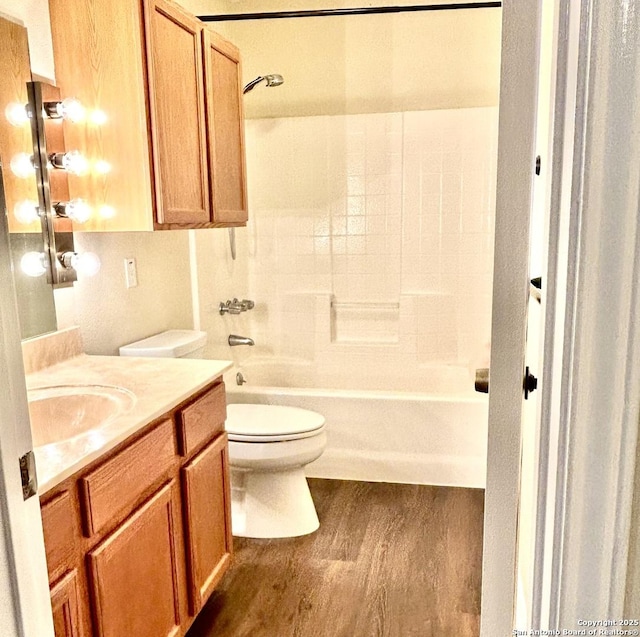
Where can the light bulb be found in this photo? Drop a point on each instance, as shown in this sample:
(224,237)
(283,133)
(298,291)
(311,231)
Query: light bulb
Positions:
(22,165)
(77,210)
(33,264)
(69,108)
(107,212)
(98,117)
(72,109)
(102,167)
(16,114)
(26,211)
(73,162)
(85,263)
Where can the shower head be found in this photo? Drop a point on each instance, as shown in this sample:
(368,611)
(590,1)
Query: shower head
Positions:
(272,80)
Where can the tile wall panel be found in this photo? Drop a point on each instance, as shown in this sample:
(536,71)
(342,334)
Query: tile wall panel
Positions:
(391,211)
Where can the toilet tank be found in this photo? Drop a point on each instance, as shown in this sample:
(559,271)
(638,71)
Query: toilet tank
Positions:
(169,344)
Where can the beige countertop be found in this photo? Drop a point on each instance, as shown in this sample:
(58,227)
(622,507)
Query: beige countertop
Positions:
(159,385)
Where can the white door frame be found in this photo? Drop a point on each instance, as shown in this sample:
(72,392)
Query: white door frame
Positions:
(599,379)
(25,606)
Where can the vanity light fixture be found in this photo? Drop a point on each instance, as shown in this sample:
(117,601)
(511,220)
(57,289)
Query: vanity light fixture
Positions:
(77,210)
(69,108)
(72,161)
(26,211)
(17,114)
(85,263)
(22,165)
(33,264)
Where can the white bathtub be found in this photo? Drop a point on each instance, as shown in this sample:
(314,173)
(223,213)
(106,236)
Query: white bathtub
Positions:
(417,438)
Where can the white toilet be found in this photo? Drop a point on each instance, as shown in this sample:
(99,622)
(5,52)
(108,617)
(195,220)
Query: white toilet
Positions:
(170,344)
(269,446)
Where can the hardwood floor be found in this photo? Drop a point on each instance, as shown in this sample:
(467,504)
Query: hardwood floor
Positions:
(388,560)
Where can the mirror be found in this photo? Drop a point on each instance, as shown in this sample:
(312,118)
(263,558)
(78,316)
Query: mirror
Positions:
(36,306)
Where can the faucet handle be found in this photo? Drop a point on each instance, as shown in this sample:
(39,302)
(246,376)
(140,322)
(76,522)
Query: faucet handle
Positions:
(229,308)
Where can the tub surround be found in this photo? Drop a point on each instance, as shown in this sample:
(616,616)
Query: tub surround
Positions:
(159,385)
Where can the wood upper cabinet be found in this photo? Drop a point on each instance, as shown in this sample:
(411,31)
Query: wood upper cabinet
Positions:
(207,505)
(225,118)
(178,134)
(99,58)
(174,146)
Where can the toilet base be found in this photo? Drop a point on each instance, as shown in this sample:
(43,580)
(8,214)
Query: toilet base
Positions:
(271,504)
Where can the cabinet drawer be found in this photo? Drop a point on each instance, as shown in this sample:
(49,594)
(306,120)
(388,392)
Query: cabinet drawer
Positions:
(111,491)
(61,527)
(202,420)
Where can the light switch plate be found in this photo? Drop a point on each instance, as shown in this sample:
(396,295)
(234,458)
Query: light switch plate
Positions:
(131,272)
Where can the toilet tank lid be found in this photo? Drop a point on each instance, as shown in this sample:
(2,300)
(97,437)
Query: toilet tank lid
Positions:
(169,344)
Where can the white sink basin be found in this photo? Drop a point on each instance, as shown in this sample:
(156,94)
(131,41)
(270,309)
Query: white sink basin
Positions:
(62,412)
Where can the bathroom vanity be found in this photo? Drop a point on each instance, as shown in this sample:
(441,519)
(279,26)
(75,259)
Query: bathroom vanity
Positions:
(136,513)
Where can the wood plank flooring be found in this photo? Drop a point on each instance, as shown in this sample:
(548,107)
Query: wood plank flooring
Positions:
(389,560)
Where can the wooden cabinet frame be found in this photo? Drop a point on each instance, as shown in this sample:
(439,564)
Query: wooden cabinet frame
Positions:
(182,485)
(165,174)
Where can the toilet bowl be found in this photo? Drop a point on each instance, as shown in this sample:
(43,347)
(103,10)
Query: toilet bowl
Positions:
(269,445)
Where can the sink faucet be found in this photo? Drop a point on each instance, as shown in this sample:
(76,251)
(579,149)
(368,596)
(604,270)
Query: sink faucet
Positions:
(234,340)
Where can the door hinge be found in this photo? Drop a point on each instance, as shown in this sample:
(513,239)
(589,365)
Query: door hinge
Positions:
(28,475)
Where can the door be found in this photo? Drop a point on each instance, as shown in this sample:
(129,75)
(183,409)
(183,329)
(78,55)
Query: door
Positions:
(25,609)
(65,605)
(207,503)
(516,162)
(225,126)
(176,96)
(135,573)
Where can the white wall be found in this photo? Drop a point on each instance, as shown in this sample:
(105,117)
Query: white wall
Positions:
(370,63)
(111,315)
(370,238)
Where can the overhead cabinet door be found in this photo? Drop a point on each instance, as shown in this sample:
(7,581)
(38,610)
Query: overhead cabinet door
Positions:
(178,133)
(225,120)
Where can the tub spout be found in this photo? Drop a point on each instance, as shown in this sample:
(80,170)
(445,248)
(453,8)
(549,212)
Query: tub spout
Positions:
(234,340)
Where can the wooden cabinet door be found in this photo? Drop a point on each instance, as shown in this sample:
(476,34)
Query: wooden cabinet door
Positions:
(225,122)
(65,607)
(176,95)
(207,515)
(135,573)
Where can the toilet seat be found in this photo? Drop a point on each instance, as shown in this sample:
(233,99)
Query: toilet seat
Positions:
(271,423)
